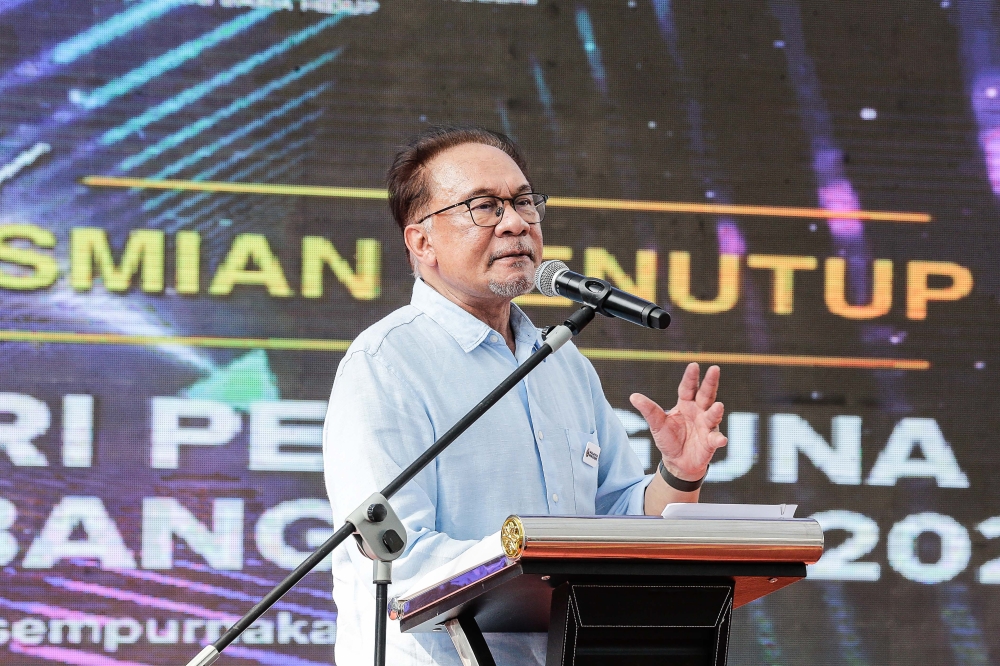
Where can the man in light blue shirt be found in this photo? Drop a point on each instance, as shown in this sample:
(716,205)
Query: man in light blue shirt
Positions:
(551,446)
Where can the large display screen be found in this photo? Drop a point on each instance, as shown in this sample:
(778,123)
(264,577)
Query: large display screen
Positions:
(193,228)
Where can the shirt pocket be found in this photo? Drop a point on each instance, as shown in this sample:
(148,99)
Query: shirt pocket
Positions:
(584,474)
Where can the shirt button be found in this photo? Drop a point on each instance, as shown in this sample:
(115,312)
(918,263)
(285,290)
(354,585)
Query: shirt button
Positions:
(540,435)
(555,498)
(494,339)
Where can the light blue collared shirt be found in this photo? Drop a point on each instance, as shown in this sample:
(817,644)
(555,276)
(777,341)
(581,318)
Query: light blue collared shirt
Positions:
(402,384)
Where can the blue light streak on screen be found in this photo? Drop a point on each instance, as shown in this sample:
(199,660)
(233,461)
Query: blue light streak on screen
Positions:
(172,59)
(966,636)
(592,50)
(212,148)
(264,161)
(205,123)
(111,29)
(236,157)
(175,104)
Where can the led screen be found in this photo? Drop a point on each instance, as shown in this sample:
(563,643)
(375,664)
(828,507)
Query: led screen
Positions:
(193,228)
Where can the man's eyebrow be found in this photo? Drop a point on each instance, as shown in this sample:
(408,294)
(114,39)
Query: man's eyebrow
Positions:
(489,191)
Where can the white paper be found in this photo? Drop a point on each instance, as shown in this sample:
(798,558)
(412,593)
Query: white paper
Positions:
(485,551)
(730,511)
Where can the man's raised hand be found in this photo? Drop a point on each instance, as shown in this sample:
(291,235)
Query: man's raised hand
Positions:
(688,435)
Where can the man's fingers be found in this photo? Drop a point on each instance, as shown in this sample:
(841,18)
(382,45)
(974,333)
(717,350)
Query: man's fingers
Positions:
(652,412)
(709,387)
(714,414)
(689,382)
(717,440)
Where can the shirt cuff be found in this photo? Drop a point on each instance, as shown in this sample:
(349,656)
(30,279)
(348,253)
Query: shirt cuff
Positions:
(637,498)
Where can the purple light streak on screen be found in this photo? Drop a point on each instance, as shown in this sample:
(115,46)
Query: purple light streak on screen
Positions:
(79,658)
(982,79)
(247,578)
(990,141)
(125,425)
(731,241)
(140,599)
(67,656)
(704,167)
(836,193)
(35,608)
(834,190)
(269,658)
(7,5)
(86,659)
(226,593)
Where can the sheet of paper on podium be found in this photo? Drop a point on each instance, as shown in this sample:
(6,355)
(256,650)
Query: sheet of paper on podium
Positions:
(730,511)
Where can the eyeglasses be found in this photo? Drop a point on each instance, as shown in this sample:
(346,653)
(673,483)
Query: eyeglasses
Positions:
(488,211)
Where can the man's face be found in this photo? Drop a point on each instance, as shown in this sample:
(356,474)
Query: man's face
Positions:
(475,262)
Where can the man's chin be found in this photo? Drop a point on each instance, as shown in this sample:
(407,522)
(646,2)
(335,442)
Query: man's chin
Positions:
(513,286)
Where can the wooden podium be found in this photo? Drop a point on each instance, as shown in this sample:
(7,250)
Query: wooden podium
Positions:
(615,590)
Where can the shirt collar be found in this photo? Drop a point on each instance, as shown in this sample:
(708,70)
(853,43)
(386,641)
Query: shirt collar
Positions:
(467,330)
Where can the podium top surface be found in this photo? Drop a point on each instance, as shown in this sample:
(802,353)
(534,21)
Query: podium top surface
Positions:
(727,545)
(651,537)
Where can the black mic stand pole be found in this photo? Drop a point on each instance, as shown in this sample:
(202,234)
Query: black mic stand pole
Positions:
(379,532)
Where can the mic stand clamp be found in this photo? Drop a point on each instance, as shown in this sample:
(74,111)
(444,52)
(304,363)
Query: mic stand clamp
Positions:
(381,537)
(377,529)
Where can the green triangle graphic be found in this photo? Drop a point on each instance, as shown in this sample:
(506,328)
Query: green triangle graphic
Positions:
(246,380)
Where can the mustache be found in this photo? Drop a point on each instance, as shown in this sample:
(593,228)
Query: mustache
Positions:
(517,247)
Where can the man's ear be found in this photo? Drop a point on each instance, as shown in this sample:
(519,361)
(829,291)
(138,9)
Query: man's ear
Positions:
(418,242)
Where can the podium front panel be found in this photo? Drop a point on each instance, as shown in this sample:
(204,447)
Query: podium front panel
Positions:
(615,590)
(516,596)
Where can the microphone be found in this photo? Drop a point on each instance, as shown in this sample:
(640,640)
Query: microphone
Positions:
(554,278)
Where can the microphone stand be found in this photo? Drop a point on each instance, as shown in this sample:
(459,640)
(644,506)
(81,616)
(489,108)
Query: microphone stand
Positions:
(379,532)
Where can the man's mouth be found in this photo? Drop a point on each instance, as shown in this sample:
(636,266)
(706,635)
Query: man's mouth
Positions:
(513,253)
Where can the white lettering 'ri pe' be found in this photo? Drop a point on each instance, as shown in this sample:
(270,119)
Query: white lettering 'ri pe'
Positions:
(551,446)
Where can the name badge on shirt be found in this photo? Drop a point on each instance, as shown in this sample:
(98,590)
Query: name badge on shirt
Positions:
(592,454)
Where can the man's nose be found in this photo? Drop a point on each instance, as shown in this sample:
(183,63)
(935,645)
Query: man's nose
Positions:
(511,223)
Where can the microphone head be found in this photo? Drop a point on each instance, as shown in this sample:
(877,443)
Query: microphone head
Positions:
(545,276)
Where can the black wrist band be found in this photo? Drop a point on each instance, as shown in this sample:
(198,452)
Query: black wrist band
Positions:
(680,484)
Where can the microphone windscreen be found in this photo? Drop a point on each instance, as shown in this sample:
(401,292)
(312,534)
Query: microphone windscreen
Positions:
(545,276)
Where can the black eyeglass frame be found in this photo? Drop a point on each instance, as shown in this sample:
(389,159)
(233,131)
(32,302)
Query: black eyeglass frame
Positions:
(466,203)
